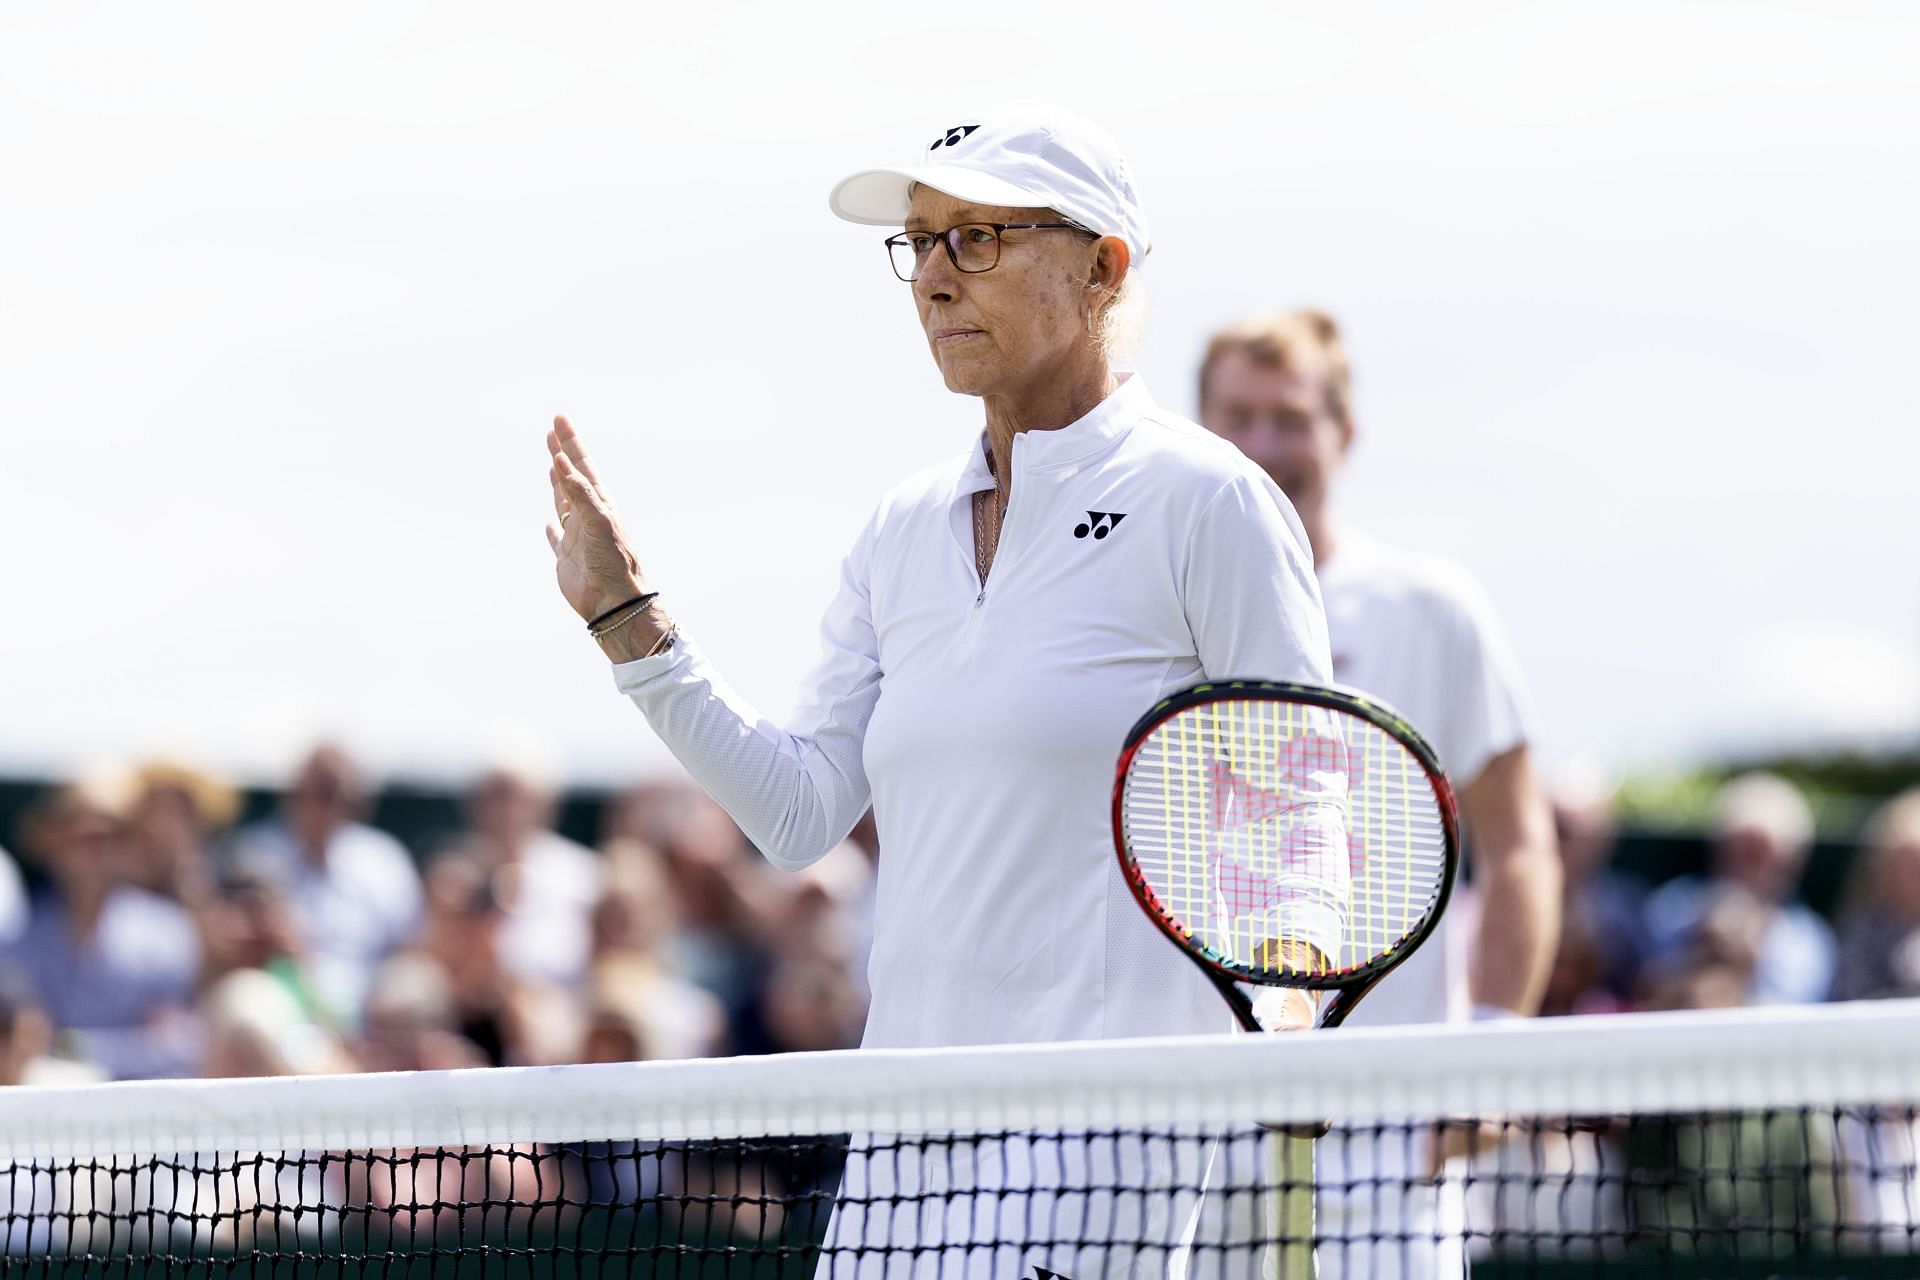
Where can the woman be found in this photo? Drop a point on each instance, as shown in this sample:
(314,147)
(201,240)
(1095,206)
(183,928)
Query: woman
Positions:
(1002,619)
(114,966)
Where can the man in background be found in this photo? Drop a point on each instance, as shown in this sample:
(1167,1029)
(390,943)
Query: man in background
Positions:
(1416,632)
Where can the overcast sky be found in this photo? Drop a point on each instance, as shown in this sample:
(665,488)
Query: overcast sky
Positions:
(286,306)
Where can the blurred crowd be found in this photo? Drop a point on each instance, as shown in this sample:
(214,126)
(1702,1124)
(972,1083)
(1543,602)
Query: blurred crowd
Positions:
(166,940)
(1737,933)
(1734,934)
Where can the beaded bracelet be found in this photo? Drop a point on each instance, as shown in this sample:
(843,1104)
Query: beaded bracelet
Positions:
(620,615)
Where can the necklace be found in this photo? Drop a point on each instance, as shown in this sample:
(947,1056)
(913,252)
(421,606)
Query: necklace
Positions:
(989,509)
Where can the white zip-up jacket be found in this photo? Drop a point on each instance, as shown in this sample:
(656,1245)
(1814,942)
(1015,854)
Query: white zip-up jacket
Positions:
(1138,555)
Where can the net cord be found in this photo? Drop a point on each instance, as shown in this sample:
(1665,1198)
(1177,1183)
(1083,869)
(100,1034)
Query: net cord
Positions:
(1732,1059)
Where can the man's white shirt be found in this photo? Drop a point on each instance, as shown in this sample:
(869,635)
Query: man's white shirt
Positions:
(1138,555)
(1416,632)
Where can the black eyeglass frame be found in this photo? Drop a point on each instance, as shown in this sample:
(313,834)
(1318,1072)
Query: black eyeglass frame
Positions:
(953,255)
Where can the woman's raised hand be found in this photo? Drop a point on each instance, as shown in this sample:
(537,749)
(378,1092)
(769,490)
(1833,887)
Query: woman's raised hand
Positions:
(593,560)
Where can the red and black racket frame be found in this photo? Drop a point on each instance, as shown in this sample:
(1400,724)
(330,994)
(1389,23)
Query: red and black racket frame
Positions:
(1347,985)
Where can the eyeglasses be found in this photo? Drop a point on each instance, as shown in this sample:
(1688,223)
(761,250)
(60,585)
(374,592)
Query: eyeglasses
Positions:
(973,247)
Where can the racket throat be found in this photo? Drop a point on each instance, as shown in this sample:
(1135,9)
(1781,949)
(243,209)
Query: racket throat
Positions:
(1237,1000)
(1332,1007)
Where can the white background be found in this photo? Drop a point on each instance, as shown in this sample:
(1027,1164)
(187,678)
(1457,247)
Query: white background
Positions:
(285,306)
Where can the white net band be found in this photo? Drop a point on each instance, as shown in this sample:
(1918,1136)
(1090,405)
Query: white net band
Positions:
(1747,1059)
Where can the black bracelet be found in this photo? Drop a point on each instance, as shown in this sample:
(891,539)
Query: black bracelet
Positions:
(642,600)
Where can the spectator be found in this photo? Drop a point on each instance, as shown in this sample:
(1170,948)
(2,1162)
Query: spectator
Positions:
(256,1026)
(1880,926)
(616,1032)
(644,811)
(1880,957)
(543,1025)
(774,950)
(1596,967)
(635,984)
(1761,837)
(13,899)
(814,995)
(726,905)
(812,1002)
(546,883)
(454,983)
(461,934)
(412,1022)
(40,1201)
(114,966)
(178,811)
(26,1044)
(248,924)
(1716,1181)
(353,889)
(1720,956)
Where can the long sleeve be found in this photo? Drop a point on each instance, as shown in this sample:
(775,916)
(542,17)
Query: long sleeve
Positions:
(795,790)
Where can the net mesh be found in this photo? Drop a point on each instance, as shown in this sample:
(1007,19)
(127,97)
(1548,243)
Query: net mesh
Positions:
(1747,1143)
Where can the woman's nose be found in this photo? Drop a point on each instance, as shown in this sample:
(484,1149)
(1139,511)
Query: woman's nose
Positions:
(939,279)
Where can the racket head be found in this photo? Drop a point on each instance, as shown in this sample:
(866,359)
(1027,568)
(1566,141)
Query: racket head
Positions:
(1239,803)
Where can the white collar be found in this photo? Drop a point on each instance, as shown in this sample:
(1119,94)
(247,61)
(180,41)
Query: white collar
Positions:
(1093,432)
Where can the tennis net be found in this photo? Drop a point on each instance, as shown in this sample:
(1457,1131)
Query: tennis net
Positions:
(1717,1144)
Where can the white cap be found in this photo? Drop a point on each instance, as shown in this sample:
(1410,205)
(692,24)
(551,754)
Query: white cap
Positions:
(1025,155)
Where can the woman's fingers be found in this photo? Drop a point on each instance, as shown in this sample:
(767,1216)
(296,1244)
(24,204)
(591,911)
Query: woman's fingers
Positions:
(573,491)
(557,456)
(595,566)
(569,445)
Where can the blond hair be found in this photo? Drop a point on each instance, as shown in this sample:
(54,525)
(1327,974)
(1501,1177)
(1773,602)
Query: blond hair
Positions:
(1305,342)
(1119,326)
(216,803)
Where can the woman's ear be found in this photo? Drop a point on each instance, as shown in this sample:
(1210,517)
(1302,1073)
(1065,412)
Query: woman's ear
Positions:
(1110,259)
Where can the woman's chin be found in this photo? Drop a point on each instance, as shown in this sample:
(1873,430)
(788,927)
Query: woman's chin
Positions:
(965,377)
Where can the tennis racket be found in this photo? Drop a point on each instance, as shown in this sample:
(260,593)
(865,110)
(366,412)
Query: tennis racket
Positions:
(1286,835)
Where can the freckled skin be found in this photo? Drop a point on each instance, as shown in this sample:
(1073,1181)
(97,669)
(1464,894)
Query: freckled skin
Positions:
(1033,358)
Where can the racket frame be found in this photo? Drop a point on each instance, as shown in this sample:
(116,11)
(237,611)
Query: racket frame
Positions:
(1348,985)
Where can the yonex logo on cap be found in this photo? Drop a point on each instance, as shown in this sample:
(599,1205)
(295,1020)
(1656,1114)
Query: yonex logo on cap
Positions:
(1040,156)
(954,136)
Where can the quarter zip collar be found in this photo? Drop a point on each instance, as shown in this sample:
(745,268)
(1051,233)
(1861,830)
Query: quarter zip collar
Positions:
(1093,433)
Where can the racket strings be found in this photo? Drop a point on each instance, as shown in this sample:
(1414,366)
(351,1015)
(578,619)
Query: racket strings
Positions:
(1259,825)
